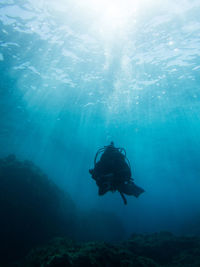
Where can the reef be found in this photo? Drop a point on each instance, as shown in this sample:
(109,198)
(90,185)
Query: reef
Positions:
(33,209)
(153,250)
(39,220)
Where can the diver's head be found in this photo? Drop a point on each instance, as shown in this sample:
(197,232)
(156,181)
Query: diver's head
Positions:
(111,143)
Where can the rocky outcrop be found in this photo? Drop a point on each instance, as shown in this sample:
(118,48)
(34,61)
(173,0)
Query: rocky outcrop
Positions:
(33,209)
(159,249)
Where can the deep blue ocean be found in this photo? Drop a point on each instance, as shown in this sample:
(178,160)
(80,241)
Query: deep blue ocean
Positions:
(76,75)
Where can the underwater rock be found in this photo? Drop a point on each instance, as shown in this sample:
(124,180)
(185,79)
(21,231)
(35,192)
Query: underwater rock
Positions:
(153,250)
(63,253)
(165,248)
(33,209)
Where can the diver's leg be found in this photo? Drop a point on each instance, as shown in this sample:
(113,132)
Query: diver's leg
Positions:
(123,197)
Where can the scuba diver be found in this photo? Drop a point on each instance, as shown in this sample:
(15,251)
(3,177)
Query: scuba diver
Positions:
(113,172)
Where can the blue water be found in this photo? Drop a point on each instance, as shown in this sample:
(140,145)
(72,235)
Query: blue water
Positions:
(76,75)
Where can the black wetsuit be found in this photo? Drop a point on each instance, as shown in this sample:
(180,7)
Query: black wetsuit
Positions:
(113,163)
(113,173)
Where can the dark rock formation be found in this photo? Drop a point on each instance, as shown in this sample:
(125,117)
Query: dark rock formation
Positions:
(165,248)
(159,249)
(32,209)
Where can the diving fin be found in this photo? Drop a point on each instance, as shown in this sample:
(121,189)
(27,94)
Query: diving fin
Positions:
(131,189)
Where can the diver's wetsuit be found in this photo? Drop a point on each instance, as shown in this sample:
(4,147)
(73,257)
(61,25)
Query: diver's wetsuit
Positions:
(111,170)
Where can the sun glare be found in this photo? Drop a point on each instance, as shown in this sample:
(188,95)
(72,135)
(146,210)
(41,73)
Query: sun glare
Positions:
(106,17)
(112,14)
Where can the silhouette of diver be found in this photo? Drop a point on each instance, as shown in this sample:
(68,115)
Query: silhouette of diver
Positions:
(113,172)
